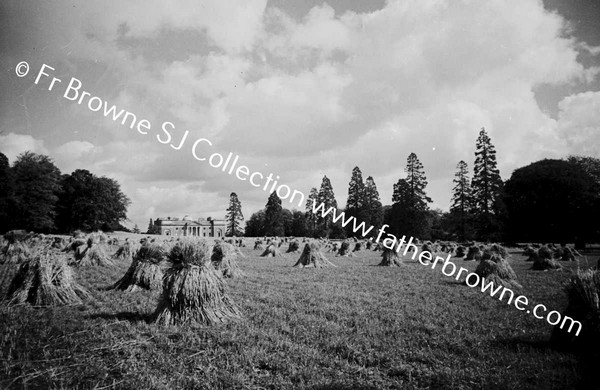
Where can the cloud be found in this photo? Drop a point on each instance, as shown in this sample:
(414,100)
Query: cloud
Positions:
(74,150)
(11,145)
(299,98)
(579,123)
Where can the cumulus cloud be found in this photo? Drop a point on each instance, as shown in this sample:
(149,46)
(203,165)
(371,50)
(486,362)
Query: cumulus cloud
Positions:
(11,145)
(579,123)
(303,97)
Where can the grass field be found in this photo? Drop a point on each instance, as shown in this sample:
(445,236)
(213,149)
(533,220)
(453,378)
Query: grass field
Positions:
(357,326)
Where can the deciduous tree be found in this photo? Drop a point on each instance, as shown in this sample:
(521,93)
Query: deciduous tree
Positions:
(36,188)
(90,203)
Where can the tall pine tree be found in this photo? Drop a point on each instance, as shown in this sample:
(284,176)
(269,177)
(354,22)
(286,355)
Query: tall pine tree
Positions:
(234,217)
(486,187)
(311,218)
(150,227)
(410,202)
(461,206)
(372,209)
(274,216)
(415,177)
(327,198)
(356,198)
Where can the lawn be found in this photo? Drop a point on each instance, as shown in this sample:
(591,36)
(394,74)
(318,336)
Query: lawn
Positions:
(355,326)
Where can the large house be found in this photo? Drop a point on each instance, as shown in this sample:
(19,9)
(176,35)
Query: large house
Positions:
(187,227)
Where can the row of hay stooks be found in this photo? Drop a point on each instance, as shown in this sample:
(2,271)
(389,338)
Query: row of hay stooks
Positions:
(189,273)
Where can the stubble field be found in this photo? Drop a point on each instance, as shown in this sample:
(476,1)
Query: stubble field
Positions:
(356,326)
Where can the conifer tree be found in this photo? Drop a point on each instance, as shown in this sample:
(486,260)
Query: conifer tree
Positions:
(356,198)
(415,177)
(150,227)
(372,209)
(234,217)
(461,206)
(356,189)
(410,202)
(327,198)
(274,216)
(311,218)
(486,187)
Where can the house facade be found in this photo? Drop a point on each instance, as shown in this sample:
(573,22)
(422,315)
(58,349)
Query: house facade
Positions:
(188,227)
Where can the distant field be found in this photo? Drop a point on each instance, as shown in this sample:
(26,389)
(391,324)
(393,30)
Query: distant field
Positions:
(354,326)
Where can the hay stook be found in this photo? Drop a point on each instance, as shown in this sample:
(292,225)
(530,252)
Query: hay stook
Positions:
(45,279)
(224,259)
(583,290)
(345,249)
(271,251)
(543,260)
(93,252)
(145,271)
(390,258)
(193,290)
(312,257)
(494,268)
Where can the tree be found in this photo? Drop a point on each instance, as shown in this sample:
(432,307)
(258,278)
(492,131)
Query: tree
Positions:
(36,188)
(274,216)
(410,202)
(589,165)
(299,228)
(151,228)
(436,225)
(400,210)
(552,201)
(327,198)
(486,188)
(255,226)
(462,202)
(6,194)
(311,218)
(90,203)
(415,177)
(372,209)
(288,221)
(234,217)
(356,195)
(136,229)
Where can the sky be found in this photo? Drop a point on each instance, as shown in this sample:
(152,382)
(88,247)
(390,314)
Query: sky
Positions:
(299,89)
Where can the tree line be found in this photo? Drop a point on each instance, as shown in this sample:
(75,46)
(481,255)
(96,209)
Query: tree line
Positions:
(35,196)
(545,201)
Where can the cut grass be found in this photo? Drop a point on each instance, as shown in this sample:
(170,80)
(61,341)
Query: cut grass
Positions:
(354,326)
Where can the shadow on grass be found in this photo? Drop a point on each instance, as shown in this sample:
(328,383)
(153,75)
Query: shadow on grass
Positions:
(340,386)
(123,316)
(520,343)
(453,282)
